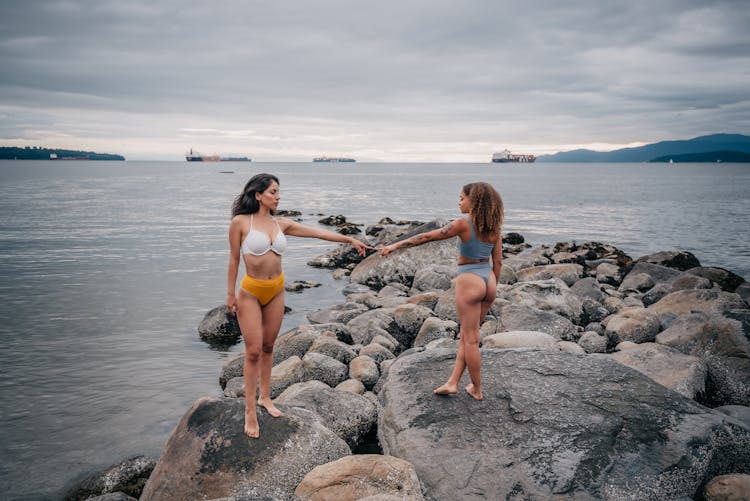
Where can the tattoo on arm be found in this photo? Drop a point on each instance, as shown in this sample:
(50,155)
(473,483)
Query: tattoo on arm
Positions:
(446,229)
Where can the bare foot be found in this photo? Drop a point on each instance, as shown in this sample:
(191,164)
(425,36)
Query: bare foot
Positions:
(268,405)
(446,389)
(252,429)
(471,391)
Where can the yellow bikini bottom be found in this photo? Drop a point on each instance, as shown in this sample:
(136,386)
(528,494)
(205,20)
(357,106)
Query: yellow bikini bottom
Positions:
(263,290)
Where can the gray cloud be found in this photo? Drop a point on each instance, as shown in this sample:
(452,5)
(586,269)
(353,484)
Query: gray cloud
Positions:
(429,78)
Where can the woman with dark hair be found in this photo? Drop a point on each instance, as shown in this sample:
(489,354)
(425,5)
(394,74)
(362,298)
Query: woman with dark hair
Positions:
(259,239)
(480,261)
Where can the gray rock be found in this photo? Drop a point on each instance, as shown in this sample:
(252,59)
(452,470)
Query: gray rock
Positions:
(348,415)
(680,260)
(324,368)
(113,496)
(512,317)
(684,374)
(332,347)
(232,369)
(219,327)
(208,455)
(235,387)
(688,281)
(739,412)
(655,293)
(366,370)
(608,273)
(721,343)
(377,352)
(401,266)
(340,257)
(593,311)
(434,278)
(294,342)
(735,487)
(372,323)
(566,257)
(638,282)
(553,425)
(435,328)
(352,386)
(127,477)
(385,342)
(285,374)
(546,295)
(355,289)
(695,300)
(594,327)
(744,292)
(568,273)
(638,325)
(727,280)
(521,339)
(524,260)
(409,319)
(445,307)
(570,347)
(394,289)
(426,299)
(588,288)
(340,313)
(592,342)
(365,476)
(659,274)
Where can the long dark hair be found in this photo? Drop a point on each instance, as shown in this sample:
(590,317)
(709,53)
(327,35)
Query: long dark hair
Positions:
(486,207)
(246,203)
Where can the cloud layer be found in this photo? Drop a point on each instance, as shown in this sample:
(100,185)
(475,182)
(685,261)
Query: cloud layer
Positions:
(394,81)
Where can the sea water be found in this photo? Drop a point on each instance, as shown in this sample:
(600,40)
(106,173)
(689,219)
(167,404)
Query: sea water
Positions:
(107,268)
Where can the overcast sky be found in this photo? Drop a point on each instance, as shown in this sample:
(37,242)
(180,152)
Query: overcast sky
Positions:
(426,80)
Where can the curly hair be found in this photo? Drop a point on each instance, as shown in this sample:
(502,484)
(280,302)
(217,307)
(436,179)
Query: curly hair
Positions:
(246,203)
(486,207)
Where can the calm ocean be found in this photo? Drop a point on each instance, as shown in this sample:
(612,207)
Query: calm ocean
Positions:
(106,269)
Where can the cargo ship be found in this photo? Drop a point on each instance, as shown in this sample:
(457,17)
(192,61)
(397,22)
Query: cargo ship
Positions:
(194,156)
(333,159)
(507,157)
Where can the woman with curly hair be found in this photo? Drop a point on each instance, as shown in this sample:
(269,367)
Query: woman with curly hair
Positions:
(480,261)
(259,240)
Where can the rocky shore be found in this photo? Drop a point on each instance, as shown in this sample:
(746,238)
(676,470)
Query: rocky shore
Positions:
(605,377)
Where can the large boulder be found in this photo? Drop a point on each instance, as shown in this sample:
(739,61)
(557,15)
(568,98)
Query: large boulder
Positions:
(409,319)
(348,415)
(694,300)
(435,328)
(401,266)
(520,339)
(126,477)
(340,313)
(658,274)
(569,273)
(546,295)
(553,425)
(680,260)
(220,327)
(371,324)
(723,345)
(323,368)
(434,278)
(638,325)
(682,373)
(525,260)
(361,477)
(330,346)
(516,317)
(340,257)
(588,288)
(728,488)
(727,280)
(208,456)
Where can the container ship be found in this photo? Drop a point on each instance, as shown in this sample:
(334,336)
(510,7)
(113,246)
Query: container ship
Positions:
(194,156)
(507,157)
(333,159)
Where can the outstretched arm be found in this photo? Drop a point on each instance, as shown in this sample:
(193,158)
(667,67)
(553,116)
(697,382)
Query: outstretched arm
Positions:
(452,229)
(296,229)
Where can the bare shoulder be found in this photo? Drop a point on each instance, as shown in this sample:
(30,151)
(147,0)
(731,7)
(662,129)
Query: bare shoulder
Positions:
(285,223)
(239,221)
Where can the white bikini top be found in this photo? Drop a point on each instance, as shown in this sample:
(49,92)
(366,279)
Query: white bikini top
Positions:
(257,243)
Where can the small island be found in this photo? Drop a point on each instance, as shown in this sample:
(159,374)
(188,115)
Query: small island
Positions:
(39,153)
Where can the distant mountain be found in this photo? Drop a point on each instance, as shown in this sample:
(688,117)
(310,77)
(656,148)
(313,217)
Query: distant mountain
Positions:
(38,153)
(702,144)
(711,156)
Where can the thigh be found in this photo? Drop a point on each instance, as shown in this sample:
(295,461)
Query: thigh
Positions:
(250,318)
(273,315)
(470,290)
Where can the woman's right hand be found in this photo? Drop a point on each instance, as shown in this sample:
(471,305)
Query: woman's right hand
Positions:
(232,303)
(384,251)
